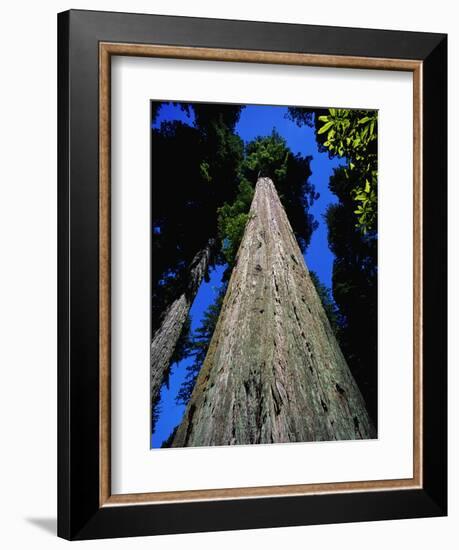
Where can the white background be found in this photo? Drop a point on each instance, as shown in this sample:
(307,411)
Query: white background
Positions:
(28,274)
(136,468)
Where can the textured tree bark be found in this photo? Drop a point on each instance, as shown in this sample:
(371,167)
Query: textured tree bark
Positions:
(274,371)
(165,338)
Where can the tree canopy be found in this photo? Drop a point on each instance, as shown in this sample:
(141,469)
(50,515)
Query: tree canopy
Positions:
(194,169)
(270,156)
(351,134)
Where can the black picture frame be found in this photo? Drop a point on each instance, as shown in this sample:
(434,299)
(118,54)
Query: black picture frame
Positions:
(80,515)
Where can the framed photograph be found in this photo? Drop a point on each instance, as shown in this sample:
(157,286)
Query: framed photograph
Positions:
(252,275)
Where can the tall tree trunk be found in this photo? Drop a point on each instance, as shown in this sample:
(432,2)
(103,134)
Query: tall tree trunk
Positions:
(166,336)
(274,371)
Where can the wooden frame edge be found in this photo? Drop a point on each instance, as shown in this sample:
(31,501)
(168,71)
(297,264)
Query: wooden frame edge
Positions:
(104,276)
(258,492)
(106,50)
(257,56)
(418,473)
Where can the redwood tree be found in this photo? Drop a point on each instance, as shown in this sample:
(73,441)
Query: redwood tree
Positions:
(274,371)
(167,335)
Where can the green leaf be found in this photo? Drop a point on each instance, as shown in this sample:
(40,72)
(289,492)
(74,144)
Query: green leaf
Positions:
(325,127)
(323,118)
(204,170)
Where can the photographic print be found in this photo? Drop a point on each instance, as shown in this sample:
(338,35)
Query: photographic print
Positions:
(263,274)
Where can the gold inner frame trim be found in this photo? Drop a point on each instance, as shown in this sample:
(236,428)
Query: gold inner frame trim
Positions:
(106,51)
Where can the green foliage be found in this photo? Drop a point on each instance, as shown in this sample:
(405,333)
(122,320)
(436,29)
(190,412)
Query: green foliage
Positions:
(199,345)
(266,156)
(233,231)
(232,219)
(328,303)
(204,168)
(269,156)
(353,135)
(303,115)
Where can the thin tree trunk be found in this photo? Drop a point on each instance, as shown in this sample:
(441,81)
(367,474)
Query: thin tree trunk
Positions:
(274,371)
(166,336)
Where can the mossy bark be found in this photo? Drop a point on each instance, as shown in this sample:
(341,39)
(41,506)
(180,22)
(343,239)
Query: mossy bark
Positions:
(166,336)
(274,371)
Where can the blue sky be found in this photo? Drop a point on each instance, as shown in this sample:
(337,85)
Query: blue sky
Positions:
(255,120)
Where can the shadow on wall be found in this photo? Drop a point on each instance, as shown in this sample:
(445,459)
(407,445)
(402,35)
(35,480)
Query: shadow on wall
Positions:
(49,525)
